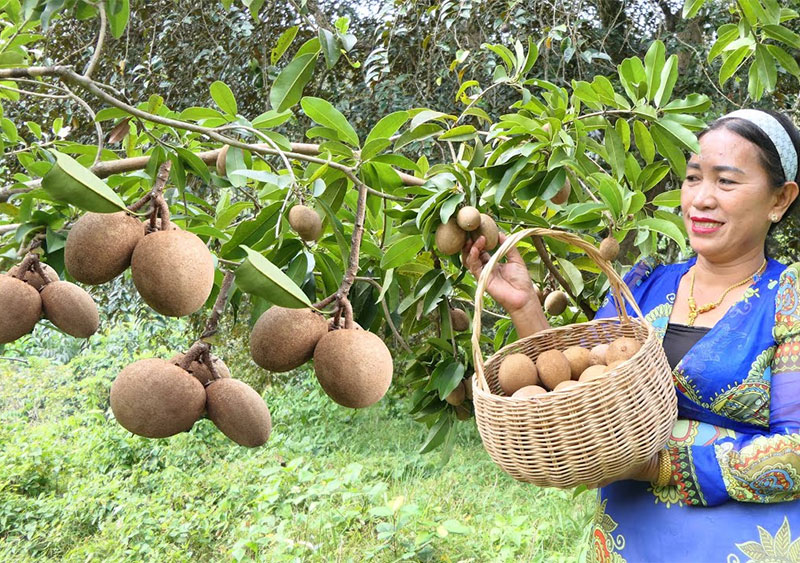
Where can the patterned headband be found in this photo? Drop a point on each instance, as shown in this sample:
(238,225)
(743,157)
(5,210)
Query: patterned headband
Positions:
(776,133)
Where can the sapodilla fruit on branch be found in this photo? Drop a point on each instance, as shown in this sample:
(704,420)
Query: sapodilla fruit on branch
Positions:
(556,303)
(33,278)
(468,218)
(155,399)
(450,238)
(459,319)
(173,271)
(200,371)
(239,412)
(99,246)
(488,228)
(283,339)
(70,308)
(354,367)
(305,222)
(562,195)
(20,308)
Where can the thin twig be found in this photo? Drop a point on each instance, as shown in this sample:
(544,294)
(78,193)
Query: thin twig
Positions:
(97,127)
(387,314)
(219,305)
(101,37)
(538,243)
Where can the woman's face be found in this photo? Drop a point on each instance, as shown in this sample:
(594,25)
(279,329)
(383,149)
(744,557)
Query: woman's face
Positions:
(726,198)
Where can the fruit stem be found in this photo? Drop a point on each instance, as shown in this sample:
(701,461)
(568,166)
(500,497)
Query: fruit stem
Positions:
(211,367)
(37,266)
(195,352)
(219,305)
(545,256)
(325,302)
(163,212)
(141,203)
(344,303)
(27,264)
(355,242)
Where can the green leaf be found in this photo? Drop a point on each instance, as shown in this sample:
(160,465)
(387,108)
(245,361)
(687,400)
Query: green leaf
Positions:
(460,133)
(424,131)
(669,76)
(732,63)
(616,151)
(671,198)
(691,7)
(665,228)
(644,141)
(271,118)
(693,103)
(748,11)
(258,276)
(72,183)
(668,149)
(282,44)
(653,65)
(437,434)
(223,97)
(449,378)
(725,35)
(402,251)
(767,72)
(288,86)
(608,190)
(755,87)
(785,60)
(573,275)
(118,18)
(387,126)
(323,112)
(503,52)
(679,133)
(456,527)
(652,175)
(330,47)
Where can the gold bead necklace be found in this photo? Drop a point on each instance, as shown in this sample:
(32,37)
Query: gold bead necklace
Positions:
(694,310)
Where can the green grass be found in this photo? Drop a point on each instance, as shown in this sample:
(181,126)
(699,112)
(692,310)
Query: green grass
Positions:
(332,484)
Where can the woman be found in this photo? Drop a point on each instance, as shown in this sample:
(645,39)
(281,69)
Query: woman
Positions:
(725,487)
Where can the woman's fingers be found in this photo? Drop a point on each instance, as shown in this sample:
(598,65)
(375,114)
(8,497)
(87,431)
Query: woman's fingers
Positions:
(513,254)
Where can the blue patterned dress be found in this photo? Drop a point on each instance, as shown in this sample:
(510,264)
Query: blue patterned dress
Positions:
(735,448)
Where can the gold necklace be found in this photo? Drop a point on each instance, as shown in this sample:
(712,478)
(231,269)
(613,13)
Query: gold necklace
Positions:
(694,310)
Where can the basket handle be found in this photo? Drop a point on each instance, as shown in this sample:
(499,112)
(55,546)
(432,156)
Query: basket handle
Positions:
(619,290)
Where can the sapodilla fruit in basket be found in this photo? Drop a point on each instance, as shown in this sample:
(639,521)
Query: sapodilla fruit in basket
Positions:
(70,308)
(593,372)
(100,245)
(33,278)
(529,391)
(553,368)
(450,238)
(579,359)
(239,412)
(156,399)
(597,354)
(564,385)
(354,367)
(21,308)
(517,371)
(283,339)
(622,349)
(173,271)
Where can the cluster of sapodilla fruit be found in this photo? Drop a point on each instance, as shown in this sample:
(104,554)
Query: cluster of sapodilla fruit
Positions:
(521,377)
(26,296)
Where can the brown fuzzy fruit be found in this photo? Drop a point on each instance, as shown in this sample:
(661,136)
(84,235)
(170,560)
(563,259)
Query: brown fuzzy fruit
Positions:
(553,368)
(33,278)
(200,371)
(529,391)
(457,395)
(283,339)
(592,372)
(305,222)
(239,412)
(20,308)
(155,399)
(622,349)
(468,218)
(70,308)
(450,238)
(99,246)
(489,230)
(556,303)
(609,248)
(222,169)
(459,319)
(565,385)
(354,367)
(463,413)
(468,387)
(579,359)
(173,271)
(598,354)
(563,194)
(517,371)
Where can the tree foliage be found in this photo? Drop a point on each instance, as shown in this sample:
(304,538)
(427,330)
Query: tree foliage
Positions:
(386,118)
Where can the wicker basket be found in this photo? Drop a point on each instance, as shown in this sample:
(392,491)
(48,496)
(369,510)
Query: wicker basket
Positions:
(589,433)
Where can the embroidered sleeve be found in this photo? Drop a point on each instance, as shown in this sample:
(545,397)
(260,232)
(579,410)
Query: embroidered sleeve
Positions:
(762,468)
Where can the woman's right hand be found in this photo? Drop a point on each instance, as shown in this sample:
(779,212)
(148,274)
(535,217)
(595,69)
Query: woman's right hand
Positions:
(510,283)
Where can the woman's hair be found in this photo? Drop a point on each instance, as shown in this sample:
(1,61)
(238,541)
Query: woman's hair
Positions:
(768,154)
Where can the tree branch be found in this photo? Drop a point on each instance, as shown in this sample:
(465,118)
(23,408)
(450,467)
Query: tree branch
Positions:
(101,37)
(219,305)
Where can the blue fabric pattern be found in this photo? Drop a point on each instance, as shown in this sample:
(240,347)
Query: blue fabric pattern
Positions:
(735,449)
